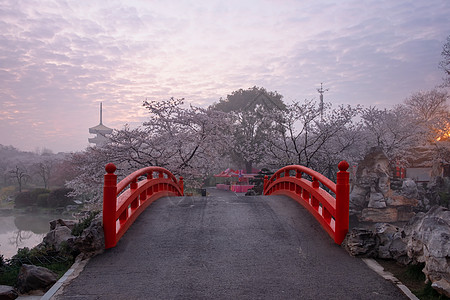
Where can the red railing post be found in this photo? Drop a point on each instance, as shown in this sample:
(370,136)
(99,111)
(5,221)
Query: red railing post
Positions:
(181,184)
(342,202)
(109,205)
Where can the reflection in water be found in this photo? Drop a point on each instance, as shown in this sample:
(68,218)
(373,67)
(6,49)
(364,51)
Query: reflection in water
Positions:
(23,230)
(19,237)
(36,223)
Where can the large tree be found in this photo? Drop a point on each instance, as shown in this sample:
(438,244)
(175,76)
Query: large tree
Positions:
(314,136)
(250,109)
(430,109)
(185,140)
(393,130)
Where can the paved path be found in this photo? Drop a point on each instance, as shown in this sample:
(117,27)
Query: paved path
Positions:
(225,246)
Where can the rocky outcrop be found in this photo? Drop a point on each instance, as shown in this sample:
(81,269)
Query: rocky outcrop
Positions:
(7,292)
(57,236)
(376,197)
(89,243)
(60,222)
(92,239)
(384,241)
(35,278)
(428,241)
(424,239)
(361,242)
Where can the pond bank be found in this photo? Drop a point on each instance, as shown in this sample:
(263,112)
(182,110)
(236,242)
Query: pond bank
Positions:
(21,228)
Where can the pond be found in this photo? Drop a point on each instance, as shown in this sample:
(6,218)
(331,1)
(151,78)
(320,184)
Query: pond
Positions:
(20,229)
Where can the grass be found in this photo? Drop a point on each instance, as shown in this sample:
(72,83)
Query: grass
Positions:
(9,269)
(413,277)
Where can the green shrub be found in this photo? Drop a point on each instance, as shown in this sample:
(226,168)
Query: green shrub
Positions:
(42,199)
(84,223)
(29,198)
(57,262)
(60,198)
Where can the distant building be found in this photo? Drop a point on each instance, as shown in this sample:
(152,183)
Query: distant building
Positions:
(101,131)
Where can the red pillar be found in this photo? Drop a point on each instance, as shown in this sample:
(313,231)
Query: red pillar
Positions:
(342,202)
(109,205)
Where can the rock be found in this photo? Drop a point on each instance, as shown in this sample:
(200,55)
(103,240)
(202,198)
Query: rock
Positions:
(7,292)
(376,215)
(60,222)
(358,197)
(374,163)
(385,241)
(390,243)
(35,278)
(371,183)
(384,184)
(361,242)
(92,240)
(428,241)
(409,188)
(376,200)
(399,200)
(442,287)
(57,236)
(405,213)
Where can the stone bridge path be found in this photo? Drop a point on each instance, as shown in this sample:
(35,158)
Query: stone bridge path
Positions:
(227,246)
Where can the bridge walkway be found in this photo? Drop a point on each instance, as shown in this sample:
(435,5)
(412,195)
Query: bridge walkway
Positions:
(227,246)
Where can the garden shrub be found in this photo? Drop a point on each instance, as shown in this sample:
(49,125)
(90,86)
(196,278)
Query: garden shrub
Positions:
(84,223)
(60,198)
(29,198)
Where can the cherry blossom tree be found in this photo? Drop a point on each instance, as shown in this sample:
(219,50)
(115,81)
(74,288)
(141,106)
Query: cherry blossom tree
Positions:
(314,136)
(430,109)
(185,140)
(394,130)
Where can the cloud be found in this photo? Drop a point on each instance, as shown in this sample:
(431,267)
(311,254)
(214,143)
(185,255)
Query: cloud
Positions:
(59,59)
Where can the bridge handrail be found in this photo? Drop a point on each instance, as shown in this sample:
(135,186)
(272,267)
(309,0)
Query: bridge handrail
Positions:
(144,171)
(331,212)
(122,206)
(302,169)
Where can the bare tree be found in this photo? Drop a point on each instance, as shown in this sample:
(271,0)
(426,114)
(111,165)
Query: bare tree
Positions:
(20,175)
(44,169)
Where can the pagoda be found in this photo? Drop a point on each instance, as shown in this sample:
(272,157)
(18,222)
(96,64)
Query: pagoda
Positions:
(101,131)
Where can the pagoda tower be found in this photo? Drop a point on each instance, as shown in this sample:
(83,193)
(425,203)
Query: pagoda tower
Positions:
(101,131)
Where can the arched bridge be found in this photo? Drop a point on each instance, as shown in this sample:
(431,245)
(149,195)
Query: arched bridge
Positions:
(227,245)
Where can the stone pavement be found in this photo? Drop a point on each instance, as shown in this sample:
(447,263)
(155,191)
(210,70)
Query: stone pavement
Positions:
(227,246)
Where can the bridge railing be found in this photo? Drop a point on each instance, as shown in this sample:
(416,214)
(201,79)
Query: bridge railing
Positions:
(121,206)
(332,212)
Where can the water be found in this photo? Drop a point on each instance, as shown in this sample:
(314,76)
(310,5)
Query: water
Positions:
(19,230)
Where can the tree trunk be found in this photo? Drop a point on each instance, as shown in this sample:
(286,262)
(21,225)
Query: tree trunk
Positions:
(248,167)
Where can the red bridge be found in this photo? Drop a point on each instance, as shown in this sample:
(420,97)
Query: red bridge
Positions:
(120,210)
(226,245)
(332,213)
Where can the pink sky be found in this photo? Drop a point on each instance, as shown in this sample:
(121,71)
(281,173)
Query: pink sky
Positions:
(60,59)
